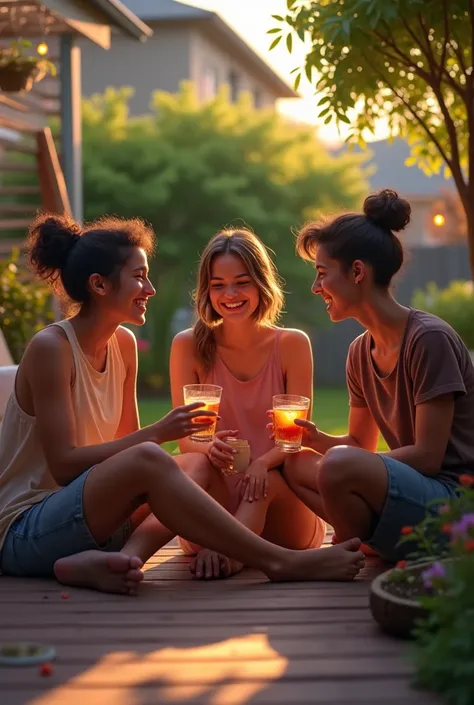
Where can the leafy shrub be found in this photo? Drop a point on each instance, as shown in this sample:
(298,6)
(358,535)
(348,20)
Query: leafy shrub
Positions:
(455,305)
(25,306)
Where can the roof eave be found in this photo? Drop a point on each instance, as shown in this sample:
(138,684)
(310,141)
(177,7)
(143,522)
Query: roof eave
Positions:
(280,86)
(124,18)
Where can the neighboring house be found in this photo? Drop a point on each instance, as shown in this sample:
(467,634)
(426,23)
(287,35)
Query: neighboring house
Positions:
(188,43)
(423,192)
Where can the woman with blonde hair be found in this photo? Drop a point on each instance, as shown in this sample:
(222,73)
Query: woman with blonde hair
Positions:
(237,345)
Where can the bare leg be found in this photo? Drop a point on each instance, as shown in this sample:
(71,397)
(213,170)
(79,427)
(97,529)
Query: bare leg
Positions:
(149,534)
(280,518)
(146,473)
(353,484)
(301,473)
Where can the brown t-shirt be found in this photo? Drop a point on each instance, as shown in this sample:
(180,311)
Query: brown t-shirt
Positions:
(433,361)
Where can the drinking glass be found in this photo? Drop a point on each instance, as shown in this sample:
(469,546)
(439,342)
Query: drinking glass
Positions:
(210,396)
(287,408)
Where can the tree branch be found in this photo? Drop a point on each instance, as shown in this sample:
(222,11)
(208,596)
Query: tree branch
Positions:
(446,40)
(457,173)
(440,70)
(471,16)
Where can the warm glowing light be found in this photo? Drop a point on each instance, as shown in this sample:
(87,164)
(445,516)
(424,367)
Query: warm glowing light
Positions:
(42,49)
(231,672)
(439,220)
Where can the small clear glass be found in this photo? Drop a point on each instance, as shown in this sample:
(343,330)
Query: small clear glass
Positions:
(286,409)
(210,396)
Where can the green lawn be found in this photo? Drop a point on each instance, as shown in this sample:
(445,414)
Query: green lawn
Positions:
(330,411)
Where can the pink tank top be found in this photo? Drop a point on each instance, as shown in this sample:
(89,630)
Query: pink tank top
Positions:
(244,405)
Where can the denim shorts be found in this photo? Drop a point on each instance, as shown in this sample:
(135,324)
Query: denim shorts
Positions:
(53,529)
(409,496)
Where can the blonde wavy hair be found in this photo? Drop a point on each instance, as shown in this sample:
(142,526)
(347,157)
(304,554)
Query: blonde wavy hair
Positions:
(256,257)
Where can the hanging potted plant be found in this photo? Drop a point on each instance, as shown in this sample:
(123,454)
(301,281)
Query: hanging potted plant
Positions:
(19,70)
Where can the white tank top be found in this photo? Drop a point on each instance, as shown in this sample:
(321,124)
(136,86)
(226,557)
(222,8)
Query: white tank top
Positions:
(97,399)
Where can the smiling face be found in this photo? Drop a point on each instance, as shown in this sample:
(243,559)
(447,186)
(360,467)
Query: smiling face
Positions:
(126,299)
(340,290)
(232,292)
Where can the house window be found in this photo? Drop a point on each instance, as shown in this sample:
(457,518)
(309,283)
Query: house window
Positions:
(234,86)
(210,83)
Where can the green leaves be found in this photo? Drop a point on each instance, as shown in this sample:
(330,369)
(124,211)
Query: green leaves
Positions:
(275,42)
(391,60)
(25,306)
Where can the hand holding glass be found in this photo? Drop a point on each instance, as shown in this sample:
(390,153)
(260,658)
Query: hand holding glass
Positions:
(287,408)
(210,396)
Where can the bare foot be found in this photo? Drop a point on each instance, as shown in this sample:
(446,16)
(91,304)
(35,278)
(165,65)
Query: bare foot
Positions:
(209,565)
(366,550)
(341,562)
(107,572)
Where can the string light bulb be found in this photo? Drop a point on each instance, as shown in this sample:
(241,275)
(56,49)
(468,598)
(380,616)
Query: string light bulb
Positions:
(42,49)
(439,220)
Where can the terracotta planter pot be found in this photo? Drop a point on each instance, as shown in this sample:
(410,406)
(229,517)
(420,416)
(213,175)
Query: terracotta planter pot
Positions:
(395,614)
(14,78)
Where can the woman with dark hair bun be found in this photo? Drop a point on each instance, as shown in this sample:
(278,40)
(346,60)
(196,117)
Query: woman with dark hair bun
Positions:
(85,494)
(409,376)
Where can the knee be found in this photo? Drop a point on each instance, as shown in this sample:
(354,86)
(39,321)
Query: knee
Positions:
(200,470)
(276,483)
(337,467)
(297,467)
(150,458)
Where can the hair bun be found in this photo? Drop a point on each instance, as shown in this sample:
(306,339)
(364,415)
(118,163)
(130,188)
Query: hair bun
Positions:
(50,241)
(387,210)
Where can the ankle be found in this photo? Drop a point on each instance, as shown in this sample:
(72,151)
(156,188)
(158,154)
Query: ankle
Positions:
(278,566)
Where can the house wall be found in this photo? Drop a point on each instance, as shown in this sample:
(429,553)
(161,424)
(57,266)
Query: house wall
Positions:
(212,67)
(160,63)
(176,52)
(418,232)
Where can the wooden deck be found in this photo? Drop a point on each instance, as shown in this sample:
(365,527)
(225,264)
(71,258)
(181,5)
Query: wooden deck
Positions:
(184,642)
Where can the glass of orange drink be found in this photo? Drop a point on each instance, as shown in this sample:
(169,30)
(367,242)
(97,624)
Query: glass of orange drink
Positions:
(210,396)
(287,408)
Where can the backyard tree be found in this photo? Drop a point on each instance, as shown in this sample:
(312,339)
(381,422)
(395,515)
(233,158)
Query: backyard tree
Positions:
(409,62)
(191,169)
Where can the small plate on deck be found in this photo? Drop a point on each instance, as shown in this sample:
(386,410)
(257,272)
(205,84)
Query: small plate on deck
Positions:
(25,654)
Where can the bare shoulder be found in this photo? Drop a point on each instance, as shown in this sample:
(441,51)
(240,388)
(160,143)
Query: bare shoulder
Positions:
(128,347)
(183,342)
(292,338)
(295,345)
(126,339)
(50,342)
(47,355)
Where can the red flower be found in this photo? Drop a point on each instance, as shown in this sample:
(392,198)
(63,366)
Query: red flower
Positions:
(447,528)
(407,530)
(466,480)
(469,545)
(401,564)
(46,669)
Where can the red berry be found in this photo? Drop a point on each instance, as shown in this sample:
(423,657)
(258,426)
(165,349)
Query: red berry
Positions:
(64,596)
(46,669)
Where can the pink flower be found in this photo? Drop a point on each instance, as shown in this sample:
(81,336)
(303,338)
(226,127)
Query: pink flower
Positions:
(143,345)
(436,572)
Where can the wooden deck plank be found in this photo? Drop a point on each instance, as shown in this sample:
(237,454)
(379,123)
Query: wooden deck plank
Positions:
(335,692)
(235,642)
